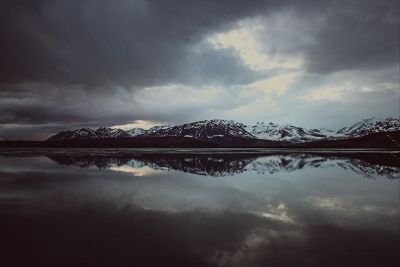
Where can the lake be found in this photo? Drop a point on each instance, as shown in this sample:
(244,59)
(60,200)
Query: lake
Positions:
(185,207)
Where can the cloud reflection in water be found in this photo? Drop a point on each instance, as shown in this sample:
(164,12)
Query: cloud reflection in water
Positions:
(200,210)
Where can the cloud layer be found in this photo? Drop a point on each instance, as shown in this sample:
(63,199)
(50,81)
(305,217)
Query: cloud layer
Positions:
(69,64)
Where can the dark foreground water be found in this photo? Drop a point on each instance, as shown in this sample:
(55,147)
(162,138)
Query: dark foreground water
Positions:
(198,208)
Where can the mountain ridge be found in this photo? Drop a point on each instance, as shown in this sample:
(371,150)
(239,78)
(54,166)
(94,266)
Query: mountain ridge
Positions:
(217,130)
(87,133)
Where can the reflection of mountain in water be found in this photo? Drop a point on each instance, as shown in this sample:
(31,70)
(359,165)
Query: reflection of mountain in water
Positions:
(222,164)
(371,171)
(201,164)
(209,165)
(293,162)
(90,161)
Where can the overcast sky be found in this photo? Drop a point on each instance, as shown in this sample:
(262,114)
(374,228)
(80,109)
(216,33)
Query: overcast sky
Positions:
(68,64)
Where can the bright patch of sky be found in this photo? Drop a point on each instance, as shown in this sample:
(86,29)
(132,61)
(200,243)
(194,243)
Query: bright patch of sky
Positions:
(246,42)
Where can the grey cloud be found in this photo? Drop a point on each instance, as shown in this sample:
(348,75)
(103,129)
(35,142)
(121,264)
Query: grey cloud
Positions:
(153,42)
(335,36)
(67,64)
(99,42)
(362,39)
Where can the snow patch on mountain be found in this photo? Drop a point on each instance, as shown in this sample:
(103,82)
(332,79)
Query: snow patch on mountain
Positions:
(142,132)
(157,128)
(104,132)
(87,133)
(136,131)
(371,125)
(287,132)
(204,130)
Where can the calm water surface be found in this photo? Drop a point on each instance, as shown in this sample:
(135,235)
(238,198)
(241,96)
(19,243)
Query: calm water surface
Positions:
(198,208)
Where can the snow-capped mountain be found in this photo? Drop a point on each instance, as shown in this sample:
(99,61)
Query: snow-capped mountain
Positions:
(217,130)
(3,139)
(371,125)
(294,134)
(208,129)
(105,132)
(287,132)
(87,133)
(140,131)
(203,130)
(83,133)
(157,128)
(136,131)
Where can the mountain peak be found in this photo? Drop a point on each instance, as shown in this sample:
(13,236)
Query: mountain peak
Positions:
(204,130)
(87,133)
(286,132)
(136,131)
(371,125)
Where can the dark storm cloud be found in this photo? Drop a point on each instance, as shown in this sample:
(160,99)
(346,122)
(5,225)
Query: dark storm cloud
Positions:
(40,103)
(143,43)
(98,42)
(360,35)
(336,35)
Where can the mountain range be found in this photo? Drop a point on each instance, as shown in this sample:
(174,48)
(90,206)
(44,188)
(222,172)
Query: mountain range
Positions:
(216,130)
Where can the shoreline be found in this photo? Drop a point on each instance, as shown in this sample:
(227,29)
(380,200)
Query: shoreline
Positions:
(6,151)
